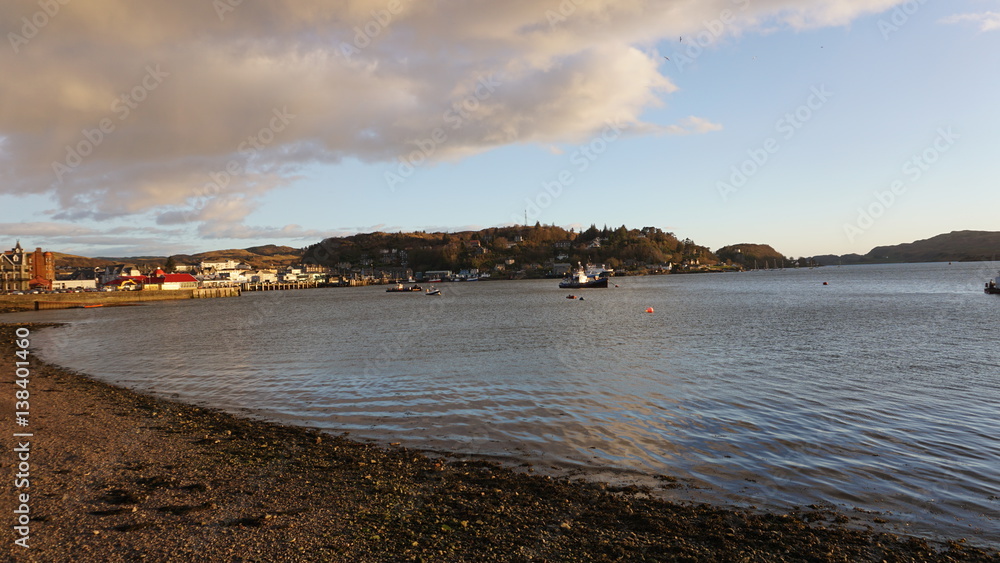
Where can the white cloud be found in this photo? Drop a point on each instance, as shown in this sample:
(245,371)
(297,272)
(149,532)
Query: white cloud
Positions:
(692,125)
(122,108)
(987,21)
(42,229)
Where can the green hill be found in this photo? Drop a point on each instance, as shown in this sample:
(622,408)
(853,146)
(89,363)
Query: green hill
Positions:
(513,250)
(747,254)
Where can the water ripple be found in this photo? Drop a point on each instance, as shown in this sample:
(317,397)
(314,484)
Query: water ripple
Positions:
(878,392)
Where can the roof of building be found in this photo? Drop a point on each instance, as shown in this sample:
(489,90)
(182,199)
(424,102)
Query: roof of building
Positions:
(173,278)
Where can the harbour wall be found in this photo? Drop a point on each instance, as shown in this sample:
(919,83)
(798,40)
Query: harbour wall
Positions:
(69,300)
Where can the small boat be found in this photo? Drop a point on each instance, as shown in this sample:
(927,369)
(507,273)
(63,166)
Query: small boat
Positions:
(993,286)
(585,279)
(433,292)
(400,288)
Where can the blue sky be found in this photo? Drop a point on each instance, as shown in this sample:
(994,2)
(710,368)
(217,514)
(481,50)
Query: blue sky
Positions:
(816,127)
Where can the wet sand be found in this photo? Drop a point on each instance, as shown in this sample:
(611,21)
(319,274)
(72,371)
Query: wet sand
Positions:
(118,476)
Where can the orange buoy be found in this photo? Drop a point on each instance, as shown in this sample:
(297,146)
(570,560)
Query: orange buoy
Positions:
(824,283)
(649,309)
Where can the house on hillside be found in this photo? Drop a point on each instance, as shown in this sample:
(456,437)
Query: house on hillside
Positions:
(561,268)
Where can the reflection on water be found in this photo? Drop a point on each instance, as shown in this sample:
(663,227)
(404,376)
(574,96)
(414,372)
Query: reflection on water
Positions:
(878,391)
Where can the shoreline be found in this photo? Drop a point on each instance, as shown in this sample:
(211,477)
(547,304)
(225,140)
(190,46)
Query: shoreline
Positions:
(116,473)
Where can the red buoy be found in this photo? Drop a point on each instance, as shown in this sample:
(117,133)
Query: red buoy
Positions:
(649,309)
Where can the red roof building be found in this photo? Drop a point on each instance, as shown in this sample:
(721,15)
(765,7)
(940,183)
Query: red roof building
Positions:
(172,281)
(158,281)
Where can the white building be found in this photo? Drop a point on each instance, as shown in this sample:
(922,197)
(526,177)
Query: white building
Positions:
(224,265)
(262,276)
(74,284)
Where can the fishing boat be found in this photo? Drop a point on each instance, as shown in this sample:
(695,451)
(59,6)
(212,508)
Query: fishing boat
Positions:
(581,278)
(993,286)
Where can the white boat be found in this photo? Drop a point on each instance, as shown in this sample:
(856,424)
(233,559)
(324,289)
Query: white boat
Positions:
(586,278)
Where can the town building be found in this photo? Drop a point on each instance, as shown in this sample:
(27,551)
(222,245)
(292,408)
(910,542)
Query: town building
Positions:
(24,271)
(263,276)
(118,271)
(157,281)
(167,282)
(74,284)
(220,265)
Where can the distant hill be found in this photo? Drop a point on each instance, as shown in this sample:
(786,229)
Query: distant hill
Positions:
(747,254)
(954,246)
(510,251)
(257,256)
(957,246)
(73,261)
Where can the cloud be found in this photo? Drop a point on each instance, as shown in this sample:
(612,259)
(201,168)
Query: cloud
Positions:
(42,229)
(189,112)
(213,230)
(987,21)
(692,125)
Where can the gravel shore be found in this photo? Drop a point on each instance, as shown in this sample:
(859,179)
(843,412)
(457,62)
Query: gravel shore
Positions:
(118,476)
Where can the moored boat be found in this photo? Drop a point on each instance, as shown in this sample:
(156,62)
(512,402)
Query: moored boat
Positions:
(585,278)
(400,288)
(993,286)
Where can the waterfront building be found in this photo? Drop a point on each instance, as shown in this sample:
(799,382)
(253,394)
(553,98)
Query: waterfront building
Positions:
(157,281)
(24,271)
(118,271)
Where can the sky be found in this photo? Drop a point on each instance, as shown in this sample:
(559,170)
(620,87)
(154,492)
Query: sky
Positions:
(134,128)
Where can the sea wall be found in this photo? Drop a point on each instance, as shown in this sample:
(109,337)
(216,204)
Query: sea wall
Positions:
(67,300)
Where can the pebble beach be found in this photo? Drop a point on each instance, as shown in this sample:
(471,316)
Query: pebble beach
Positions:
(120,476)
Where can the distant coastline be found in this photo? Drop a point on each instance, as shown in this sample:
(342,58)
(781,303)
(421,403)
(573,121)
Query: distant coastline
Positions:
(540,251)
(957,246)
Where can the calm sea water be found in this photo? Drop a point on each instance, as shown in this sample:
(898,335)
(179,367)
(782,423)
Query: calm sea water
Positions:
(879,391)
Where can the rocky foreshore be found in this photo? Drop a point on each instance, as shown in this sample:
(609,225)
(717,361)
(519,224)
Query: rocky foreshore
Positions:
(119,476)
